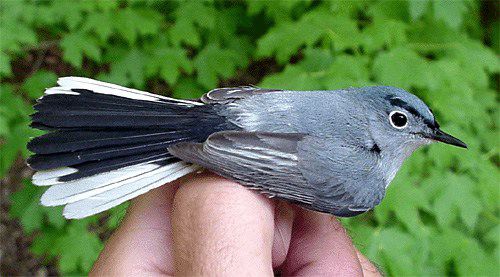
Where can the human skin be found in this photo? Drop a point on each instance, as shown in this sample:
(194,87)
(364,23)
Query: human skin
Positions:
(206,225)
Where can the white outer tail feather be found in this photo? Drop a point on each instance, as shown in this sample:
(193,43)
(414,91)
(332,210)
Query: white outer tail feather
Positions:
(108,199)
(72,191)
(49,177)
(91,195)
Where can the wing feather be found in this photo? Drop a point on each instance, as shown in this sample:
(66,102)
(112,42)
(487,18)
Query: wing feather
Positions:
(257,160)
(320,175)
(225,95)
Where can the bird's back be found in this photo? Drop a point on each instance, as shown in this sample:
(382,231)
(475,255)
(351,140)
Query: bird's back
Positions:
(336,114)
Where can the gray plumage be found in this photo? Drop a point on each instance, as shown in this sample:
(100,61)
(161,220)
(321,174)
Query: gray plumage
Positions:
(329,151)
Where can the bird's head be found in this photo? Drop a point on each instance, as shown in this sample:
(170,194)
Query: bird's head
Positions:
(403,121)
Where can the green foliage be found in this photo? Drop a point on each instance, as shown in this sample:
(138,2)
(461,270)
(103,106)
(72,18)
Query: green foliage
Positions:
(14,130)
(26,207)
(71,242)
(441,213)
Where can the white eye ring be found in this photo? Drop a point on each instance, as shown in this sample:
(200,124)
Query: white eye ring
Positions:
(398,125)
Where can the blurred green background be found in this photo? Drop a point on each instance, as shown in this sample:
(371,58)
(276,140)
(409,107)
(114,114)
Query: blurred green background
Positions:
(441,213)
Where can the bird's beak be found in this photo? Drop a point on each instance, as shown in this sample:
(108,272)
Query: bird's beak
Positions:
(441,136)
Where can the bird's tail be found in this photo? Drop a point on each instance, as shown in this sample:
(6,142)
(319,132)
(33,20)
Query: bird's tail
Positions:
(107,144)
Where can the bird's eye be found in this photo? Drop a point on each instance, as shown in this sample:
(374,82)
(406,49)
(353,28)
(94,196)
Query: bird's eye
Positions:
(398,119)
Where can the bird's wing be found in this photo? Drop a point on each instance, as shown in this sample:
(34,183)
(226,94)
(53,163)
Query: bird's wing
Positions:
(225,95)
(284,166)
(265,162)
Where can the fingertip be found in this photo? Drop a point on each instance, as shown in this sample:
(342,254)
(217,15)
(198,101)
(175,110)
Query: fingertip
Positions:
(320,246)
(369,269)
(220,227)
(284,217)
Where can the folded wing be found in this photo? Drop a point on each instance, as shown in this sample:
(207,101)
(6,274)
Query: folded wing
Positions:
(292,167)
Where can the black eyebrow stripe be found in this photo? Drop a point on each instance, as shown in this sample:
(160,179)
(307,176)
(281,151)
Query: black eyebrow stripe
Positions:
(402,104)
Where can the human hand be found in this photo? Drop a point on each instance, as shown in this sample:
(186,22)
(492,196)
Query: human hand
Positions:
(207,225)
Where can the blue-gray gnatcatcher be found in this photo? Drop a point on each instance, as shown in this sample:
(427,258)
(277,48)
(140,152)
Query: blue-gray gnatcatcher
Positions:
(328,151)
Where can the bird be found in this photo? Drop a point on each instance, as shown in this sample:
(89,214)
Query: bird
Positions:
(330,151)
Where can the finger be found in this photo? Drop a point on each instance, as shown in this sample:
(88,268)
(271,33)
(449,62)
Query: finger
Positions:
(221,228)
(369,269)
(320,246)
(143,242)
(283,222)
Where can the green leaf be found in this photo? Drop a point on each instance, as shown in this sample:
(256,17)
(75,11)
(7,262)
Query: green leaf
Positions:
(417,8)
(347,71)
(286,39)
(149,20)
(69,13)
(4,128)
(36,84)
(5,69)
(10,147)
(383,10)
(384,34)
(278,10)
(76,45)
(102,24)
(494,235)
(316,59)
(478,59)
(450,11)
(214,62)
(15,132)
(26,207)
(191,17)
(116,215)
(293,78)
(128,69)
(347,7)
(320,70)
(387,245)
(406,200)
(188,88)
(468,255)
(106,5)
(43,244)
(15,35)
(487,175)
(169,62)
(444,158)
(458,199)
(77,248)
(393,68)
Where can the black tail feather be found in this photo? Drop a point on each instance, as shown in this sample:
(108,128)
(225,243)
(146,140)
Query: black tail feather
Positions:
(96,167)
(88,109)
(50,161)
(73,140)
(91,130)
